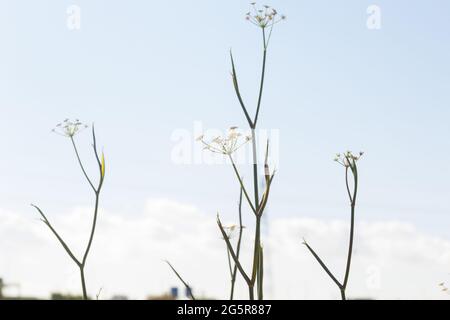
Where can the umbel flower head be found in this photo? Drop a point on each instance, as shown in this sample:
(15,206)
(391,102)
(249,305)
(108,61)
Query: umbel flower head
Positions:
(69,128)
(227,144)
(347,158)
(263,17)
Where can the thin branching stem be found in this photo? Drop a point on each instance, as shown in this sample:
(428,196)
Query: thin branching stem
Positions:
(238,247)
(263,72)
(83,282)
(349,164)
(241,182)
(94,224)
(352,226)
(233,254)
(256,276)
(322,264)
(265,197)
(188,288)
(49,225)
(81,264)
(255,169)
(347,185)
(268,180)
(256,249)
(257,242)
(238,93)
(257,204)
(81,164)
(230,267)
(261,274)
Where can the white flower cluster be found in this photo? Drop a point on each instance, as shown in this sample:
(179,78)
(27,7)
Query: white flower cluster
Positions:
(347,158)
(69,128)
(264,17)
(227,144)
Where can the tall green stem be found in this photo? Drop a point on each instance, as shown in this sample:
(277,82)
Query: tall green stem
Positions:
(257,274)
(238,248)
(251,292)
(263,73)
(257,245)
(81,265)
(352,225)
(81,164)
(255,169)
(83,282)
(94,224)
(261,274)
(350,164)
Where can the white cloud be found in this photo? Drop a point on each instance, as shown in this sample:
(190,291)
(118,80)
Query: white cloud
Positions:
(391,259)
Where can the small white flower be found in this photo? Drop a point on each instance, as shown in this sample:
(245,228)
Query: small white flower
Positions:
(264,17)
(347,159)
(69,128)
(227,144)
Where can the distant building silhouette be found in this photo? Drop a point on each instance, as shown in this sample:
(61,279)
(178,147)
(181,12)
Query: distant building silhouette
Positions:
(3,285)
(174,292)
(1,288)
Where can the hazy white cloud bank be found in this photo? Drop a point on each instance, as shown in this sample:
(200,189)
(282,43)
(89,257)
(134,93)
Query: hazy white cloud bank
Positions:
(391,259)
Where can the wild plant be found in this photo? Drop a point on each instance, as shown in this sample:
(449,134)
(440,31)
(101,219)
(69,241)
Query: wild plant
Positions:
(348,161)
(265,19)
(70,129)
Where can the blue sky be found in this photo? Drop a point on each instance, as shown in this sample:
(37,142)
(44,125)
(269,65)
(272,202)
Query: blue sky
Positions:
(143,69)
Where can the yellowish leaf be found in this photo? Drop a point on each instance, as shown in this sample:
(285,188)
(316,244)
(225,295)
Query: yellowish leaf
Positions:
(103,165)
